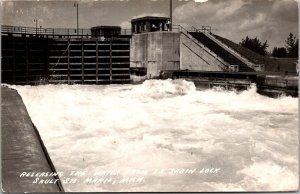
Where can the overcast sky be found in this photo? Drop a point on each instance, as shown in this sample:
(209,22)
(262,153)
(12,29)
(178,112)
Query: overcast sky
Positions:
(270,20)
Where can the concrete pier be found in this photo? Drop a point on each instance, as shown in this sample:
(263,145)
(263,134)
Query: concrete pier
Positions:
(22,149)
(156,52)
(275,85)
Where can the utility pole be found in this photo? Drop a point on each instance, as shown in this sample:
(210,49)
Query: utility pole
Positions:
(36,24)
(171,7)
(76,5)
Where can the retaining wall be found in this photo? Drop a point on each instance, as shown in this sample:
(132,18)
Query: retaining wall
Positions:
(22,150)
(194,57)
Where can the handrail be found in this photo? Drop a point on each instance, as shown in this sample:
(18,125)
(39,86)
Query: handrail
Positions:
(52,31)
(203,29)
(186,33)
(194,29)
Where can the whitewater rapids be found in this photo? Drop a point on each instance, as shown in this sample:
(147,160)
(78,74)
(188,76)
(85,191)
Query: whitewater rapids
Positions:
(168,124)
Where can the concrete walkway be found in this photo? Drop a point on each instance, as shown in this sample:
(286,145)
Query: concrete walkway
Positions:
(22,150)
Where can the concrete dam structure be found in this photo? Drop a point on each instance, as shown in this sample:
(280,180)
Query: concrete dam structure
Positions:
(202,57)
(96,56)
(108,54)
(180,49)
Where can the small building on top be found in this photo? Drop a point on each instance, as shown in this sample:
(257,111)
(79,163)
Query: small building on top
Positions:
(106,31)
(150,24)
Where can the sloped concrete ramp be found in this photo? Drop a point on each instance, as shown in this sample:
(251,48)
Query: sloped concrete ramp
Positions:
(22,149)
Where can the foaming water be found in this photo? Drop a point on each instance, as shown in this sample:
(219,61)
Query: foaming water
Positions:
(168,124)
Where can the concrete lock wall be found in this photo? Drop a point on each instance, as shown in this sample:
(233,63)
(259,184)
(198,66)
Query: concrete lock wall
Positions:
(22,149)
(193,57)
(161,51)
(138,50)
(156,51)
(37,60)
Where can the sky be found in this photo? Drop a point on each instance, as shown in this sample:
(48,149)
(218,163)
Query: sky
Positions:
(270,20)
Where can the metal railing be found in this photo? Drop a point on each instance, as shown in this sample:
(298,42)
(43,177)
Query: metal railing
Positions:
(63,32)
(203,29)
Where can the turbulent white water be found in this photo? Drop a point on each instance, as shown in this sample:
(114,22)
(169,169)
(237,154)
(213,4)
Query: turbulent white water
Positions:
(167,125)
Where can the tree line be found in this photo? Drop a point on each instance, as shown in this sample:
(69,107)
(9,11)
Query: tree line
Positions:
(290,50)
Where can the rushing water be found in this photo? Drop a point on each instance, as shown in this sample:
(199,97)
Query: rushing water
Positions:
(164,133)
